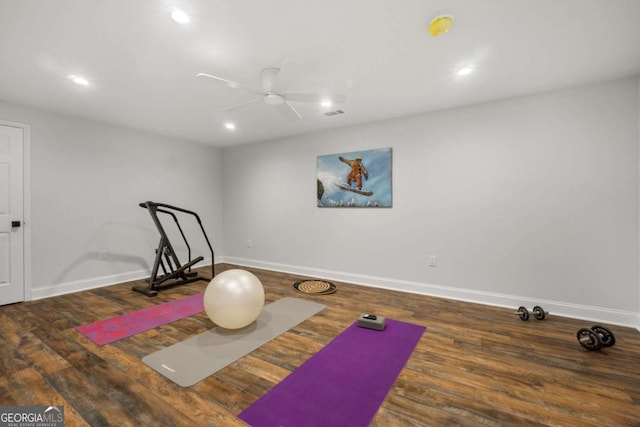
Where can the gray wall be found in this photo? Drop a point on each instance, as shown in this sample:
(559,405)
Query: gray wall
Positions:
(524,201)
(87,179)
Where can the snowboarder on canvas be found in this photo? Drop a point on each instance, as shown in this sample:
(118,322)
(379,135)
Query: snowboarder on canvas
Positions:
(355,175)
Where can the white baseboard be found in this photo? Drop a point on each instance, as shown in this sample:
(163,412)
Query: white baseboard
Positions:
(587,313)
(85,285)
(576,311)
(97,282)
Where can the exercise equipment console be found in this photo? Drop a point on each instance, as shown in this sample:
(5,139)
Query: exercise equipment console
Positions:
(175,273)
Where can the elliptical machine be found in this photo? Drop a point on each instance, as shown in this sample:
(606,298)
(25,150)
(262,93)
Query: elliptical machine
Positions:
(175,273)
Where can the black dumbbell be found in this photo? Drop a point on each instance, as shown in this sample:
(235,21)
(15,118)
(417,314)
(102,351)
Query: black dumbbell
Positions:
(538,313)
(595,338)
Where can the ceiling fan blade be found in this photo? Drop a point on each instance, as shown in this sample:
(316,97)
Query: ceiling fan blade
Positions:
(231,83)
(315,97)
(240,105)
(288,112)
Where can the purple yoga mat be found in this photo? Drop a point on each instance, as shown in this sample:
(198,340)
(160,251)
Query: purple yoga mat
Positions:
(118,327)
(343,384)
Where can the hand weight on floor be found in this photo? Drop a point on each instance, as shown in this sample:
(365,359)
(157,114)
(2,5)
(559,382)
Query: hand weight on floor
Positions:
(595,338)
(538,313)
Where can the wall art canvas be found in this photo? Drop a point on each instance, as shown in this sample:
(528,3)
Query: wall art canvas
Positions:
(355,179)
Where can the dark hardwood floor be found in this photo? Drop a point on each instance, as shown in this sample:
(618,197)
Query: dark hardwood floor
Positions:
(475,365)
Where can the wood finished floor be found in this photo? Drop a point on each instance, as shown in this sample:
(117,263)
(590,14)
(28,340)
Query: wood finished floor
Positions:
(475,365)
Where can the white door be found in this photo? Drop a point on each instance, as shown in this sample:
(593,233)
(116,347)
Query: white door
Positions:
(11,215)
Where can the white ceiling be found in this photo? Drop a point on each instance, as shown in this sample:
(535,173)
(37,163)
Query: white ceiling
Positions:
(141,65)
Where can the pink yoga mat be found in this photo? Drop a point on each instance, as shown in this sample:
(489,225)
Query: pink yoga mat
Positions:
(115,328)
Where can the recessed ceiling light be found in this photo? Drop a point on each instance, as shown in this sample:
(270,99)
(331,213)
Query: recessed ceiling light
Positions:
(179,16)
(326,103)
(230,126)
(465,71)
(79,80)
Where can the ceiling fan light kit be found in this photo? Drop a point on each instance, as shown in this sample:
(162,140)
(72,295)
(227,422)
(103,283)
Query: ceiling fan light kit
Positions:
(273,99)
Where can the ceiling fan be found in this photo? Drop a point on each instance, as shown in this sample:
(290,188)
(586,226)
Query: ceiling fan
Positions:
(274,92)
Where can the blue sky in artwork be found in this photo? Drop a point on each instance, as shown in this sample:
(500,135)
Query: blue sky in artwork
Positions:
(332,172)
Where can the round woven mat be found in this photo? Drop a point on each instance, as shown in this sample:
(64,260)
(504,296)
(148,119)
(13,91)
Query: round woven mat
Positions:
(318,287)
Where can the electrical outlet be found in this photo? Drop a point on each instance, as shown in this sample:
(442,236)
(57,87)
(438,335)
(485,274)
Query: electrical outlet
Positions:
(103,255)
(249,243)
(433,260)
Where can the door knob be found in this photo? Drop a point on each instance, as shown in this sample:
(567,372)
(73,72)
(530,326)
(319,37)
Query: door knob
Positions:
(15,224)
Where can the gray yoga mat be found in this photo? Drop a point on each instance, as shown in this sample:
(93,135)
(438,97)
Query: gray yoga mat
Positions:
(189,362)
